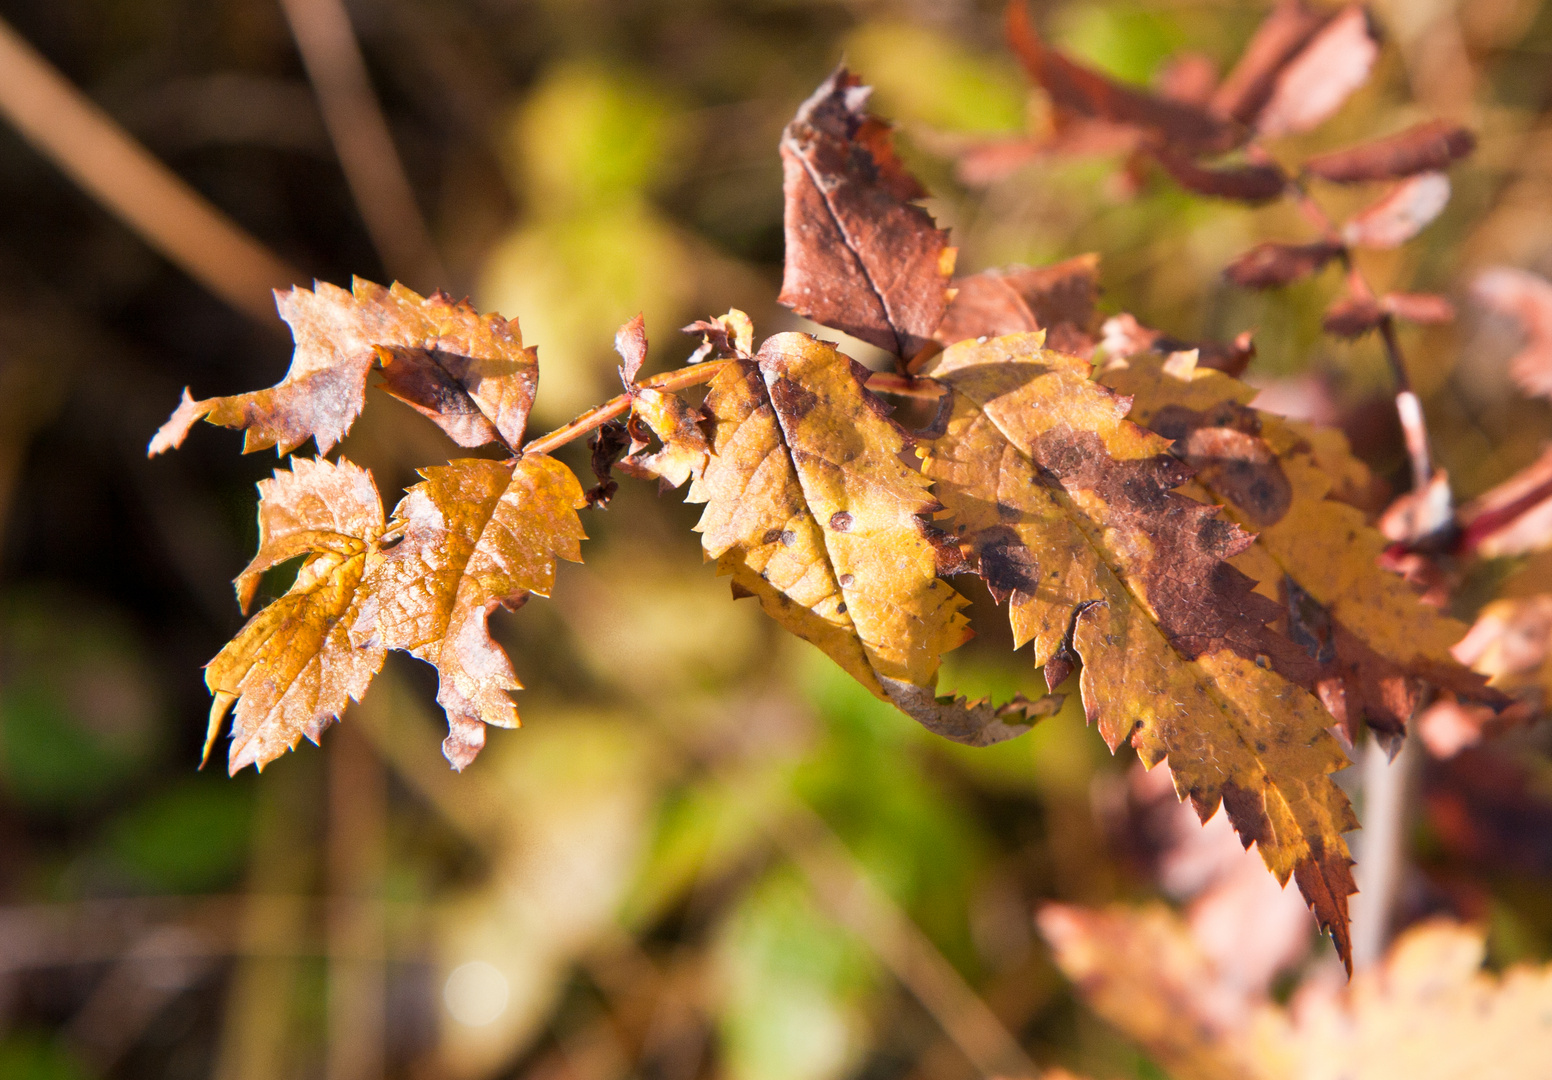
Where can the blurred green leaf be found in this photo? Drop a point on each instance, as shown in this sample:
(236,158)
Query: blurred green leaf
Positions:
(926,76)
(190,837)
(26,1055)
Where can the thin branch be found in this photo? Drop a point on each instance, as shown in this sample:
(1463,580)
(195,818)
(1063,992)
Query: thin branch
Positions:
(614,408)
(882,382)
(362,141)
(70,130)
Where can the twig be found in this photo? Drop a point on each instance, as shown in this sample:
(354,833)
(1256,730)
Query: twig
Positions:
(1381,862)
(357,975)
(599,415)
(362,141)
(883,382)
(94,151)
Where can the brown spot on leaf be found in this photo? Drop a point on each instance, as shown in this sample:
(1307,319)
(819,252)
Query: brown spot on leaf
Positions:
(840,521)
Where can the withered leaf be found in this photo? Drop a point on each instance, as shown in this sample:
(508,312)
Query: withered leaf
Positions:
(1511,644)
(1377,645)
(1077,88)
(1352,316)
(469,373)
(607,445)
(1058,299)
(477,535)
(861,256)
(1428,147)
(292,669)
(1400,215)
(630,341)
(1252,183)
(730,335)
(1271,264)
(1311,86)
(809,507)
(1526,297)
(1072,512)
(684,450)
(1124,336)
(1248,86)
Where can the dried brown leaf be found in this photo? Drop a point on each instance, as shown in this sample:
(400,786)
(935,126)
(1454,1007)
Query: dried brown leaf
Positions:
(1271,264)
(469,373)
(1249,84)
(861,256)
(1311,86)
(1251,183)
(1409,207)
(292,669)
(477,535)
(1428,147)
(1423,308)
(1088,93)
(1058,299)
(725,337)
(684,449)
(1513,518)
(630,341)
(1352,316)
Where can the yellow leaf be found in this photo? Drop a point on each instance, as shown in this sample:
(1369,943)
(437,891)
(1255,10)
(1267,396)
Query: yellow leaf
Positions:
(469,373)
(477,534)
(810,508)
(292,669)
(1071,510)
(685,449)
(1378,644)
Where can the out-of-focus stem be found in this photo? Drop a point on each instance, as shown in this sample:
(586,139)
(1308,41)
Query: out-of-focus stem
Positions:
(1381,862)
(362,141)
(93,150)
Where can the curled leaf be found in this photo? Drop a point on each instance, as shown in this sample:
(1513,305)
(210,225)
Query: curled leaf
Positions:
(861,256)
(1400,215)
(1427,147)
(292,669)
(722,338)
(477,535)
(1311,86)
(630,341)
(1271,264)
(809,507)
(1080,526)
(973,723)
(684,450)
(469,373)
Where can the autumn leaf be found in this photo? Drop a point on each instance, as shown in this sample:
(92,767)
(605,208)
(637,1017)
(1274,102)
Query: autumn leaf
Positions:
(1122,336)
(1071,512)
(726,336)
(1512,518)
(1427,1012)
(478,534)
(292,669)
(683,450)
(1427,147)
(469,373)
(1378,646)
(1076,88)
(1058,299)
(1403,213)
(1313,84)
(1250,83)
(1526,297)
(1251,183)
(1271,264)
(861,256)
(809,508)
(1352,316)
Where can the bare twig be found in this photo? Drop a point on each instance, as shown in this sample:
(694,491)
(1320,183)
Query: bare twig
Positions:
(357,853)
(882,382)
(361,139)
(1381,863)
(72,132)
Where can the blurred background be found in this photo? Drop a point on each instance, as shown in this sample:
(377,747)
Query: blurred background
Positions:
(707,854)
